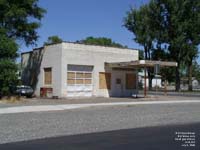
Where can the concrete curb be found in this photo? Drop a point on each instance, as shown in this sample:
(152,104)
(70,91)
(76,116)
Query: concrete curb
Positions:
(43,108)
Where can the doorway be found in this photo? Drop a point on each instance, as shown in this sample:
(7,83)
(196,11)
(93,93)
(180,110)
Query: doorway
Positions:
(118,84)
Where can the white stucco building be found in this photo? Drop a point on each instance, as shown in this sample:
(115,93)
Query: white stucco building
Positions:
(71,69)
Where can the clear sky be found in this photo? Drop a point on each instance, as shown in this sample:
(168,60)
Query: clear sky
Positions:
(77,19)
(74,20)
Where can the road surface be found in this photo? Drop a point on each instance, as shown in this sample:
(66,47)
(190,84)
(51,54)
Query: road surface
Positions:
(145,123)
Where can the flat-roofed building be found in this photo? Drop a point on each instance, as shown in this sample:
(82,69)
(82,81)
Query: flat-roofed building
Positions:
(76,70)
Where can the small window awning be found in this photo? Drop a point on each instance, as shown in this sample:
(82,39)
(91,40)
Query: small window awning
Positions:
(141,63)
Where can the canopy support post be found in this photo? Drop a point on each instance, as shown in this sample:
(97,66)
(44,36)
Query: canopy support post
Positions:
(145,82)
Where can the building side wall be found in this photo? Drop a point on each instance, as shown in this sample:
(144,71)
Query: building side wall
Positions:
(36,61)
(51,58)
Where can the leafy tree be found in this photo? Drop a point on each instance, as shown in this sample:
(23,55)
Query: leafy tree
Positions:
(190,56)
(8,49)
(171,23)
(182,26)
(167,73)
(141,55)
(196,70)
(53,40)
(137,22)
(102,41)
(19,20)
(143,24)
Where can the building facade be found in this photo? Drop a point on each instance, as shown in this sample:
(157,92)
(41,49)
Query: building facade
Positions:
(76,70)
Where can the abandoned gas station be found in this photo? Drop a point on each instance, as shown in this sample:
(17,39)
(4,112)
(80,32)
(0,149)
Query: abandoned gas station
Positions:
(143,64)
(78,70)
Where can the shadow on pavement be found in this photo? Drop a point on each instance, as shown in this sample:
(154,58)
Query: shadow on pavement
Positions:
(149,138)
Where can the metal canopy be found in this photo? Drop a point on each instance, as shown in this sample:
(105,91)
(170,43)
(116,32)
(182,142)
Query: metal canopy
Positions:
(141,63)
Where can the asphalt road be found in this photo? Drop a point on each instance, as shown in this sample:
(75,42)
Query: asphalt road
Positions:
(67,124)
(149,138)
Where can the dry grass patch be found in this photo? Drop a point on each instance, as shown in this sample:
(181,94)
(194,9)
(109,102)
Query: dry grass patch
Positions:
(11,99)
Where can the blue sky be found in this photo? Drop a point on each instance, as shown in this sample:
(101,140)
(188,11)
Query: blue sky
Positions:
(77,19)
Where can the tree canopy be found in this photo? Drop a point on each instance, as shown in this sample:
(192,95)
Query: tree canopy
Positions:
(137,22)
(8,47)
(102,41)
(8,53)
(168,30)
(144,24)
(182,26)
(19,21)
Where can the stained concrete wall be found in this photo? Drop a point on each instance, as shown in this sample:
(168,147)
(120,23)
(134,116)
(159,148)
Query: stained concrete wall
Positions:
(49,56)
(79,54)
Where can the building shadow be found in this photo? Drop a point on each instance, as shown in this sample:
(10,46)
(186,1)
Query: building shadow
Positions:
(147,138)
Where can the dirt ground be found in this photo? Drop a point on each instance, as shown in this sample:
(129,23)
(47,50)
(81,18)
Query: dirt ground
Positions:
(49,101)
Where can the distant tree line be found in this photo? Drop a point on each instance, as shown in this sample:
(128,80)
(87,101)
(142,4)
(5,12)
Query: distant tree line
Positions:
(102,41)
(53,40)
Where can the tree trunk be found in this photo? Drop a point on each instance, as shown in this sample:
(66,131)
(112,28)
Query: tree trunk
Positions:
(145,52)
(190,77)
(150,79)
(149,69)
(178,81)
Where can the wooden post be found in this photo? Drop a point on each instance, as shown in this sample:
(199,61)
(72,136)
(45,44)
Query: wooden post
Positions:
(165,90)
(165,87)
(145,82)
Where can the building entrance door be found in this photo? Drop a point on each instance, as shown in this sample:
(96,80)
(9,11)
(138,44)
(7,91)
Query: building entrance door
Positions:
(118,85)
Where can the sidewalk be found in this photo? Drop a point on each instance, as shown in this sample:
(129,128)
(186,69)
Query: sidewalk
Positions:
(49,101)
(43,108)
(174,93)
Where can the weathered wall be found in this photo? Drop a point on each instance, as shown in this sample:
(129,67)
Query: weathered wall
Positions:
(58,56)
(49,56)
(79,54)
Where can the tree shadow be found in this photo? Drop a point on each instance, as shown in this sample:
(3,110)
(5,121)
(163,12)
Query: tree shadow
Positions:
(31,63)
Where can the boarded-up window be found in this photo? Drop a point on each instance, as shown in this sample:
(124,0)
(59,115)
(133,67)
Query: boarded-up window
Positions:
(88,75)
(74,78)
(130,81)
(79,75)
(71,81)
(104,80)
(88,81)
(47,76)
(71,78)
(79,81)
(70,75)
